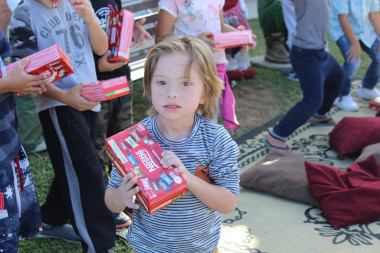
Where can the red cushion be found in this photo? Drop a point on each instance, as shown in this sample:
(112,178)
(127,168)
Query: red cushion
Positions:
(347,197)
(352,134)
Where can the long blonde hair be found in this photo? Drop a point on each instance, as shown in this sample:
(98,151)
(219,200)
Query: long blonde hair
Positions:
(199,53)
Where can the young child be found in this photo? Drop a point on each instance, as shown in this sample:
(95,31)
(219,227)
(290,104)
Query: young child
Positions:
(355,26)
(68,120)
(199,18)
(19,207)
(116,114)
(182,82)
(319,73)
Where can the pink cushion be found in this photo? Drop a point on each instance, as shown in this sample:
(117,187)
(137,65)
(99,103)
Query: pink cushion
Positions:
(352,134)
(347,197)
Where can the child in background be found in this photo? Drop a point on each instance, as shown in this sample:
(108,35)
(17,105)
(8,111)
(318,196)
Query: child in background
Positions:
(68,120)
(116,114)
(181,81)
(200,18)
(238,59)
(355,26)
(19,207)
(319,73)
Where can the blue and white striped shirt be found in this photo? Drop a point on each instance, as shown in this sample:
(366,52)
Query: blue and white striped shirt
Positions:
(187,225)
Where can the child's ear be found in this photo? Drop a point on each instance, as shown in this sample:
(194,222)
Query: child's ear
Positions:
(203,99)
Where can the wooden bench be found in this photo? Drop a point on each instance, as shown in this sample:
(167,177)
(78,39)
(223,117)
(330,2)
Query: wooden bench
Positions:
(143,9)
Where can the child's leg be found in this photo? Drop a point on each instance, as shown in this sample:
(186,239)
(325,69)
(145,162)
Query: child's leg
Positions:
(332,84)
(20,209)
(308,67)
(78,178)
(373,72)
(349,68)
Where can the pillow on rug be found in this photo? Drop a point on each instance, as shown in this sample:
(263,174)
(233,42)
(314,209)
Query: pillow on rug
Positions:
(347,197)
(352,134)
(373,149)
(281,174)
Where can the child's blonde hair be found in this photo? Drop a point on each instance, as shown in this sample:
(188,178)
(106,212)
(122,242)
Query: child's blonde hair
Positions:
(199,53)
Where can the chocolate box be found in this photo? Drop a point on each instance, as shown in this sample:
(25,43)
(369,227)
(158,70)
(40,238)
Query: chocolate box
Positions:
(107,89)
(374,103)
(52,62)
(233,39)
(135,150)
(120,30)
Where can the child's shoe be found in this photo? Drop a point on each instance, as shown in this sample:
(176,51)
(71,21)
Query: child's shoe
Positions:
(122,220)
(367,93)
(249,73)
(346,103)
(234,75)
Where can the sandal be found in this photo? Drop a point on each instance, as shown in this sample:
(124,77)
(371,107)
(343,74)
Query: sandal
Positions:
(328,121)
(273,146)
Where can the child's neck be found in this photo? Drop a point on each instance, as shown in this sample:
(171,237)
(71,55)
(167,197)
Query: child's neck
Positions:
(174,131)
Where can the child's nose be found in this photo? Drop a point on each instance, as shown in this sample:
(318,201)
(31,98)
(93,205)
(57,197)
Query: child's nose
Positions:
(172,91)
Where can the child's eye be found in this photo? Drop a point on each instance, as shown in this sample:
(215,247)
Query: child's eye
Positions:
(161,82)
(186,84)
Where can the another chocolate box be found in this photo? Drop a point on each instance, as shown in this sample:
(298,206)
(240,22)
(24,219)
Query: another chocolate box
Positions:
(106,90)
(135,150)
(120,30)
(232,39)
(52,62)
(374,103)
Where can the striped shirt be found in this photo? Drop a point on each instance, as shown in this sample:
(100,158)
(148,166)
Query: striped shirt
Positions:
(187,225)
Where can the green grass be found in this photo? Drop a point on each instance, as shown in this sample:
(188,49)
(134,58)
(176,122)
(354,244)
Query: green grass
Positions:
(287,91)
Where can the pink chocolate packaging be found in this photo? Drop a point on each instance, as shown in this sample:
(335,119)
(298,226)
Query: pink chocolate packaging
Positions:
(106,90)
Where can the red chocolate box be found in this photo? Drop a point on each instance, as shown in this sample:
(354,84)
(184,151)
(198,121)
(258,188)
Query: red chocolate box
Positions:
(107,89)
(233,39)
(374,103)
(134,150)
(52,62)
(120,30)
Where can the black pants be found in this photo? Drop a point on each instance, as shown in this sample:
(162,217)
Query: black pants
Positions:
(77,192)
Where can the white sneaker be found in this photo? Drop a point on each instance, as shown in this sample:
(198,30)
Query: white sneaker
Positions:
(346,103)
(367,93)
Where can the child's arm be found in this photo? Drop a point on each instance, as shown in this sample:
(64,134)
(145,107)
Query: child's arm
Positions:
(375,20)
(355,49)
(98,37)
(216,197)
(71,97)
(117,199)
(105,66)
(165,25)
(19,81)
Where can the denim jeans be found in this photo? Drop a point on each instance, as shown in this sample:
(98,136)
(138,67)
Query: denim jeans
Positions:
(321,78)
(350,68)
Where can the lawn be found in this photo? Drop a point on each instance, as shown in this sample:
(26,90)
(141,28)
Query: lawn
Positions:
(285,91)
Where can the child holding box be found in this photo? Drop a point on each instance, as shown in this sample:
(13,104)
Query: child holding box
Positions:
(19,207)
(200,18)
(68,120)
(181,81)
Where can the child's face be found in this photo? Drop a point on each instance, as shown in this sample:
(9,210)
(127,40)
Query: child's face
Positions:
(51,3)
(173,97)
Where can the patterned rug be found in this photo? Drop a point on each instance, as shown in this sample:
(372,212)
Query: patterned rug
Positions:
(262,223)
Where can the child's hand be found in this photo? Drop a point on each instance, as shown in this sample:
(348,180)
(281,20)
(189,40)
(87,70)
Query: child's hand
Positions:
(125,192)
(84,10)
(25,83)
(210,43)
(169,159)
(354,52)
(105,66)
(140,34)
(75,100)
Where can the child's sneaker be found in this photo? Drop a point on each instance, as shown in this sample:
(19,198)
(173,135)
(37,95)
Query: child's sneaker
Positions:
(290,74)
(122,220)
(64,232)
(367,93)
(249,73)
(234,75)
(346,103)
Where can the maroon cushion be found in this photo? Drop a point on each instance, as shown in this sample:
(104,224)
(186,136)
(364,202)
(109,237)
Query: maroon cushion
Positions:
(352,134)
(347,197)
